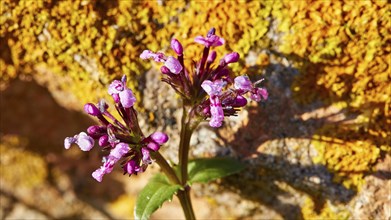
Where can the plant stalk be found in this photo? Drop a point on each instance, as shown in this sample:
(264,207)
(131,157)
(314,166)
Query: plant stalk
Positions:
(186,132)
(166,168)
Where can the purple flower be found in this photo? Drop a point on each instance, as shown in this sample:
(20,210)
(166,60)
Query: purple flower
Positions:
(85,142)
(258,93)
(107,167)
(214,89)
(126,97)
(120,150)
(173,65)
(217,112)
(243,83)
(177,47)
(146,156)
(211,41)
(158,57)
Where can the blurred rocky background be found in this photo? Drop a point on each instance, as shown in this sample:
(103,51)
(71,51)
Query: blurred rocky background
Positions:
(319,148)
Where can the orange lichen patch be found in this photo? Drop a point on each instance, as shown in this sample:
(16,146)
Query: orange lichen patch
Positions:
(348,160)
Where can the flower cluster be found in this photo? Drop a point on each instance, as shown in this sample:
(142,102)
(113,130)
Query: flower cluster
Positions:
(124,140)
(206,87)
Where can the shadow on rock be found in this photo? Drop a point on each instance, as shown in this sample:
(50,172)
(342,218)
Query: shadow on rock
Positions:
(276,145)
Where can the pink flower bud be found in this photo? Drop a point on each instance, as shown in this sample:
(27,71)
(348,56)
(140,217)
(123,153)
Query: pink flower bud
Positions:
(159,137)
(131,167)
(212,56)
(240,101)
(177,46)
(165,70)
(153,146)
(91,109)
(231,58)
(103,140)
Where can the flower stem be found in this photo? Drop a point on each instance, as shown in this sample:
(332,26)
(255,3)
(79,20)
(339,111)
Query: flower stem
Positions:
(184,145)
(184,198)
(186,132)
(166,168)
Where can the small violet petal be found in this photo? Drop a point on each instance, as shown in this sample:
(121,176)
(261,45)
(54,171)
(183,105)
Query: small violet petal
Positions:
(213,88)
(127,98)
(120,150)
(217,113)
(146,156)
(85,142)
(68,141)
(116,87)
(173,65)
(243,83)
(98,174)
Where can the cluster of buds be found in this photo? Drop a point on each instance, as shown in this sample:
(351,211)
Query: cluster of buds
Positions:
(124,140)
(209,88)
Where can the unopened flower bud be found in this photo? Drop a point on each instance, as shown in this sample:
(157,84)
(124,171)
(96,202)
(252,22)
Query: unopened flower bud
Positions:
(103,140)
(211,32)
(231,58)
(153,146)
(165,70)
(91,109)
(95,131)
(240,101)
(212,57)
(123,79)
(131,167)
(177,46)
(159,137)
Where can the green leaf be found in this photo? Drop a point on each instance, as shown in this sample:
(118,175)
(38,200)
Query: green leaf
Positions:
(155,193)
(208,169)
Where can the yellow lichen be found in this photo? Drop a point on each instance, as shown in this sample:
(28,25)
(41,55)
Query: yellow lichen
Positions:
(20,167)
(329,211)
(349,161)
